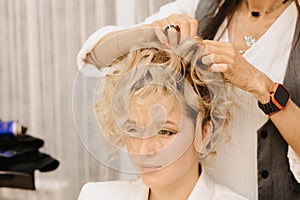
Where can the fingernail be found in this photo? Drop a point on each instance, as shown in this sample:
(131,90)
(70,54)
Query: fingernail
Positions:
(167,44)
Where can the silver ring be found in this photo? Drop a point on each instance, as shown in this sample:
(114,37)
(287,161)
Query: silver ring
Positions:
(171,26)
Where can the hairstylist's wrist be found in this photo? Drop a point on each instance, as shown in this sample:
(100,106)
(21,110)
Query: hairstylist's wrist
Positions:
(263,89)
(127,38)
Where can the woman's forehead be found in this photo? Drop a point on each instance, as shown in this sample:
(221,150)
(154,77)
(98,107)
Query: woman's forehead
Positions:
(166,108)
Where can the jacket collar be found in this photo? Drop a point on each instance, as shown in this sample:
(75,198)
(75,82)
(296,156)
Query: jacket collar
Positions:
(204,188)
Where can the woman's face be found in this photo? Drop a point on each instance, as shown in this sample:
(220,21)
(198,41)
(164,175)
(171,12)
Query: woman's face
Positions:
(160,139)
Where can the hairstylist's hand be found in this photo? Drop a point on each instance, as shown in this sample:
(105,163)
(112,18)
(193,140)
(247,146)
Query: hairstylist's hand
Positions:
(186,27)
(223,57)
(180,28)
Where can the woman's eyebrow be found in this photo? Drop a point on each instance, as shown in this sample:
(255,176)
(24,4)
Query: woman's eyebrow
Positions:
(129,122)
(168,122)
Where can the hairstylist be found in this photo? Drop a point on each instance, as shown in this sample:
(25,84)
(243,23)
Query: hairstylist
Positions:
(255,44)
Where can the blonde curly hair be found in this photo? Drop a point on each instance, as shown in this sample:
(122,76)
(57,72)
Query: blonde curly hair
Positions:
(150,70)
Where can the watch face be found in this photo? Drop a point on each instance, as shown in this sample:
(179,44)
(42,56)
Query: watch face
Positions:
(281,96)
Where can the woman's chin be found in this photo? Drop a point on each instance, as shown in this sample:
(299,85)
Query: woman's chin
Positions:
(152,179)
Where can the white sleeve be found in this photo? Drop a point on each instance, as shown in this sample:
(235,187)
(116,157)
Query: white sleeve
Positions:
(86,68)
(294,161)
(180,6)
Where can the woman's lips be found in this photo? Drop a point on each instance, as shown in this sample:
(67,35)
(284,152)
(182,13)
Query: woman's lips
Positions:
(149,168)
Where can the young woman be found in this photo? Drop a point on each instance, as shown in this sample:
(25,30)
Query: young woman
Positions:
(168,114)
(255,44)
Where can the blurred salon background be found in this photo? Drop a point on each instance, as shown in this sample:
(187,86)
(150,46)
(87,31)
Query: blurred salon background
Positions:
(39,43)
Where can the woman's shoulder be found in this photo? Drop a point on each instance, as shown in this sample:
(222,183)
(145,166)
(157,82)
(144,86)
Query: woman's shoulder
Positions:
(206,188)
(224,193)
(112,190)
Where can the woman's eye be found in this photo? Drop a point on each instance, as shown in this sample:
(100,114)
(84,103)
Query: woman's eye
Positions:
(166,132)
(132,130)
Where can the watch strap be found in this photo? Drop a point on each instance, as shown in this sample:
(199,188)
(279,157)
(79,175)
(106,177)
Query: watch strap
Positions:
(268,108)
(278,99)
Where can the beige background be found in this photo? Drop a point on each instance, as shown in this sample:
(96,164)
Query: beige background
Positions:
(39,43)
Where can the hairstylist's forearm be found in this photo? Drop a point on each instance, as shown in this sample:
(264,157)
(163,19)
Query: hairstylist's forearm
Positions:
(287,122)
(178,6)
(113,45)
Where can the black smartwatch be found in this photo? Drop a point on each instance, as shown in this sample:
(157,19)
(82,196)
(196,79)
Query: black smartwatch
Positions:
(279,97)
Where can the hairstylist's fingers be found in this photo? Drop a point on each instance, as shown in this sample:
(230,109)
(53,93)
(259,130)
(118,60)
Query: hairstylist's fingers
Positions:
(207,60)
(188,26)
(173,37)
(183,24)
(193,25)
(218,68)
(221,48)
(210,59)
(215,43)
(219,53)
(159,32)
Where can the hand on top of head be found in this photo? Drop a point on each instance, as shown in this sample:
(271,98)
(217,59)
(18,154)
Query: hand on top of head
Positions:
(172,30)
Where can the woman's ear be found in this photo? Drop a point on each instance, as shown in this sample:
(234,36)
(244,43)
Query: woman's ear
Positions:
(203,134)
(207,131)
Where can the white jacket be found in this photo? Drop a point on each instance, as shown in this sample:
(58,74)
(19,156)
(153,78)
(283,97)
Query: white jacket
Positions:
(205,189)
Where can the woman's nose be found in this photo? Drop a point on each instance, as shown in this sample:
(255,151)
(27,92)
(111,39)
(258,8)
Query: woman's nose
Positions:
(144,146)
